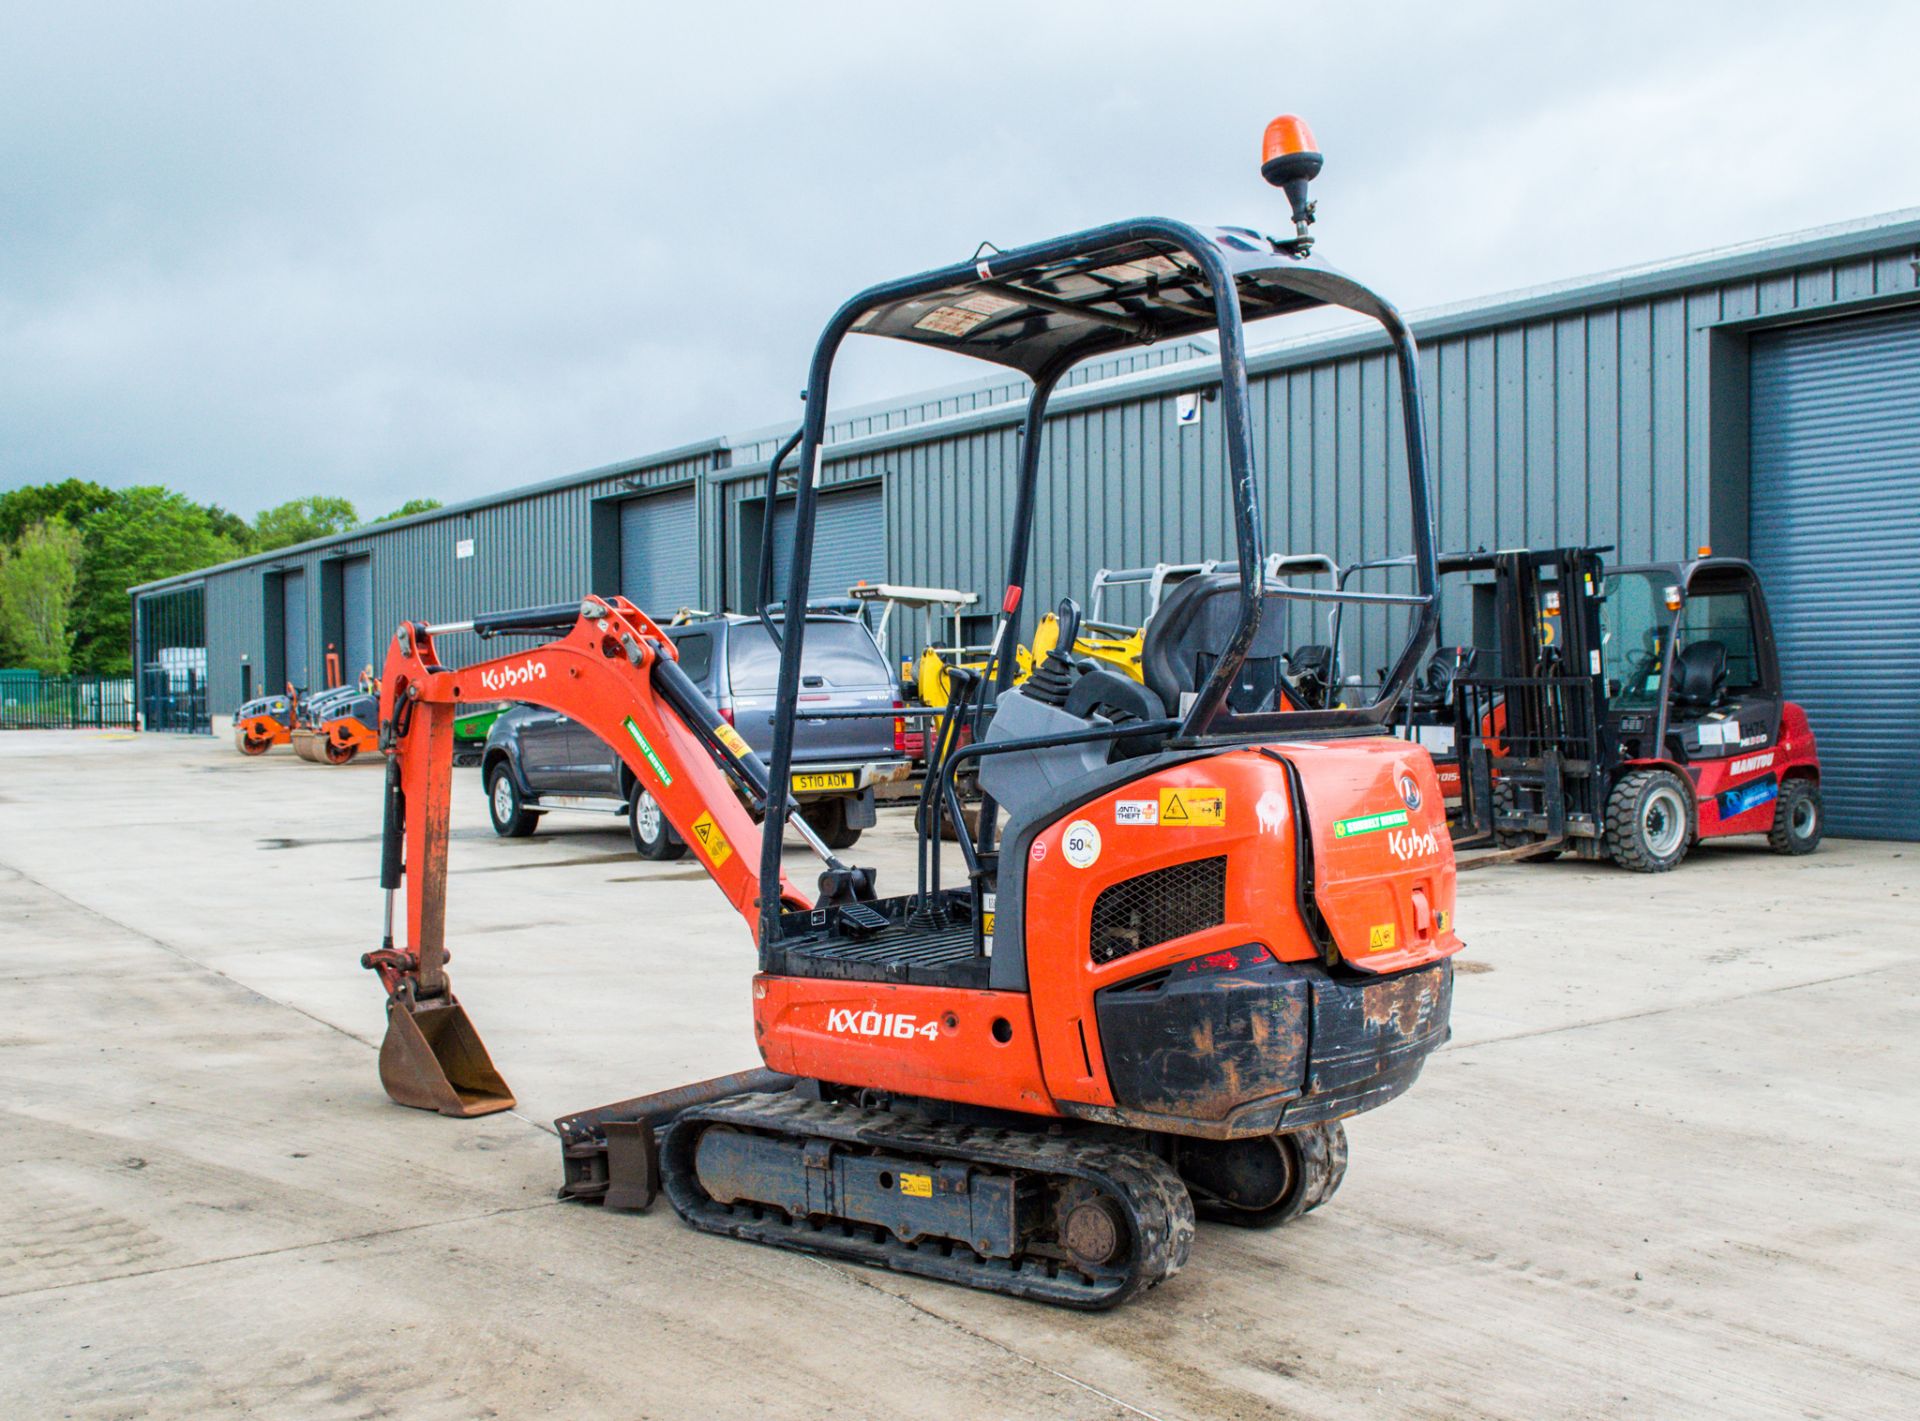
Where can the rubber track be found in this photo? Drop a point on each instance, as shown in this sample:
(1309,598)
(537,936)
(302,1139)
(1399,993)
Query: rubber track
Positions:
(1159,1212)
(1322,1161)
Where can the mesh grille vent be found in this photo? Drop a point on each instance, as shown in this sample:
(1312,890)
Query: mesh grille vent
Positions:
(1157,907)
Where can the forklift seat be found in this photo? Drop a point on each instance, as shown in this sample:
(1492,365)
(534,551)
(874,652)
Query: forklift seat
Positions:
(1187,635)
(1700,676)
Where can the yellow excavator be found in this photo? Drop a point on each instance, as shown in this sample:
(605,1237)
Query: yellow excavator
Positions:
(1117,644)
(924,677)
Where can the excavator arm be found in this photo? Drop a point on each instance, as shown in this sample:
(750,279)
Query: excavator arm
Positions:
(609,668)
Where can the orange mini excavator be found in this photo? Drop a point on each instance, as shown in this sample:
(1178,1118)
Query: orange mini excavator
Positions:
(1191,931)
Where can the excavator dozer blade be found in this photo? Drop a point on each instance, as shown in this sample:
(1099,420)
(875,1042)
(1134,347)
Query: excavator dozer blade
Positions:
(433,1059)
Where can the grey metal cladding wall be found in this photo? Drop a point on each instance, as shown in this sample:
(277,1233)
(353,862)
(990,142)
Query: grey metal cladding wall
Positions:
(1836,535)
(528,550)
(1547,424)
(1010,389)
(1588,426)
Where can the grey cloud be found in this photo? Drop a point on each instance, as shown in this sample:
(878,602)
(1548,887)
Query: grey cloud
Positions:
(442,248)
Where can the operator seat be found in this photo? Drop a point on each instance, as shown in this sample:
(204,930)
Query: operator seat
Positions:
(1433,692)
(1187,635)
(1699,676)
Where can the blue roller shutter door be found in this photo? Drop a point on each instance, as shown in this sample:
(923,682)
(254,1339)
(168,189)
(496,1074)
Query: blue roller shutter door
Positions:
(849,543)
(660,552)
(293,629)
(1835,532)
(356,617)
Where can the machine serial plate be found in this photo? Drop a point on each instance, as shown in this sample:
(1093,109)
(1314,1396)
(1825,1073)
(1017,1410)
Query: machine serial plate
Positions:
(810,784)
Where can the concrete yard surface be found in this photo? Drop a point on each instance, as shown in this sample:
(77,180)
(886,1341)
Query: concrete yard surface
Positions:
(1666,1168)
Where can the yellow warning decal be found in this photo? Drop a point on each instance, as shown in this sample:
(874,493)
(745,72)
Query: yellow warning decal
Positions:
(1440,920)
(1202,808)
(918,1186)
(1380,938)
(730,738)
(986,924)
(715,843)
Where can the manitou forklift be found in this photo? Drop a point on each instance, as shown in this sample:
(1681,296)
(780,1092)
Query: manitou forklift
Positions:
(1623,714)
(1191,932)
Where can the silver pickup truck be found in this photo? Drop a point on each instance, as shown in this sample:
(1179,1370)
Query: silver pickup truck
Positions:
(538,760)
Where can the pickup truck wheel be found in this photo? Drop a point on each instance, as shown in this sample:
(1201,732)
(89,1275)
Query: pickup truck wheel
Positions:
(508,811)
(829,820)
(653,837)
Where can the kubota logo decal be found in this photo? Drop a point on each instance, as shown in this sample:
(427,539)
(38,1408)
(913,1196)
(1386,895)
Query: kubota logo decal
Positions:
(507,677)
(1412,844)
(899,1025)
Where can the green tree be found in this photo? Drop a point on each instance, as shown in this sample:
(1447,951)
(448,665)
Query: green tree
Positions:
(302,519)
(409,508)
(232,527)
(71,500)
(145,533)
(39,571)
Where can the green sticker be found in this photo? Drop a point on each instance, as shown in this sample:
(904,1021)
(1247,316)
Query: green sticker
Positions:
(1368,823)
(654,760)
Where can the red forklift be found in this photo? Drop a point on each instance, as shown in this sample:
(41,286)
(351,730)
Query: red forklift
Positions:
(1614,713)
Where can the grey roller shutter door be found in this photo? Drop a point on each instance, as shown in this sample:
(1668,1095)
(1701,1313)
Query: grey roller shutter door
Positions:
(293,628)
(1835,531)
(356,616)
(660,552)
(849,543)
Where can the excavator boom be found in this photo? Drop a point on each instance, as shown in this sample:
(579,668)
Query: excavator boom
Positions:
(608,667)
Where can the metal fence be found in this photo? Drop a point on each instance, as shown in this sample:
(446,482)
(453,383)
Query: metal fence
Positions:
(29,701)
(171,641)
(174,699)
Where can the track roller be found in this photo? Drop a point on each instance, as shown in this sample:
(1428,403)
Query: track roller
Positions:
(1077,1220)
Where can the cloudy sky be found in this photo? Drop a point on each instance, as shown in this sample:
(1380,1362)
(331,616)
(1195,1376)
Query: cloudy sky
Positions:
(262,250)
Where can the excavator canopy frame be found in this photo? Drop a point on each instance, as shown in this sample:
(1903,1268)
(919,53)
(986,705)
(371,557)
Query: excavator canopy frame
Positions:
(1041,310)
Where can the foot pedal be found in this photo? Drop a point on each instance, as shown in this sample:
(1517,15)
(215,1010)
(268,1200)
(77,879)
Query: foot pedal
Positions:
(862,921)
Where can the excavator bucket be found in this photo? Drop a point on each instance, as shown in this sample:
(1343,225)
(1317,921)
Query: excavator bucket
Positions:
(433,1059)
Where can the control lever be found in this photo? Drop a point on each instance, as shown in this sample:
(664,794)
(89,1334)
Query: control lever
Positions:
(1052,679)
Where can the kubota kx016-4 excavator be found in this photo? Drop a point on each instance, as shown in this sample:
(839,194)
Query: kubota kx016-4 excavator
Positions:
(1194,931)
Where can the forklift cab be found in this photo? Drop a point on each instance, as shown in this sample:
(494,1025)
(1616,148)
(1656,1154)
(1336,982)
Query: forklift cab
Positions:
(1689,661)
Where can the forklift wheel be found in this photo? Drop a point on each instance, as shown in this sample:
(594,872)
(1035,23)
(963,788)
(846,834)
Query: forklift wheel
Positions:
(1649,821)
(653,837)
(1797,820)
(509,813)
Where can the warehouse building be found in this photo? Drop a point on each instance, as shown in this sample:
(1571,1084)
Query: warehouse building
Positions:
(1764,400)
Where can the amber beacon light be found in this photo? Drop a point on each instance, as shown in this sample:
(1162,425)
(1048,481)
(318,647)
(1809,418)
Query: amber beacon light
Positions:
(1290,159)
